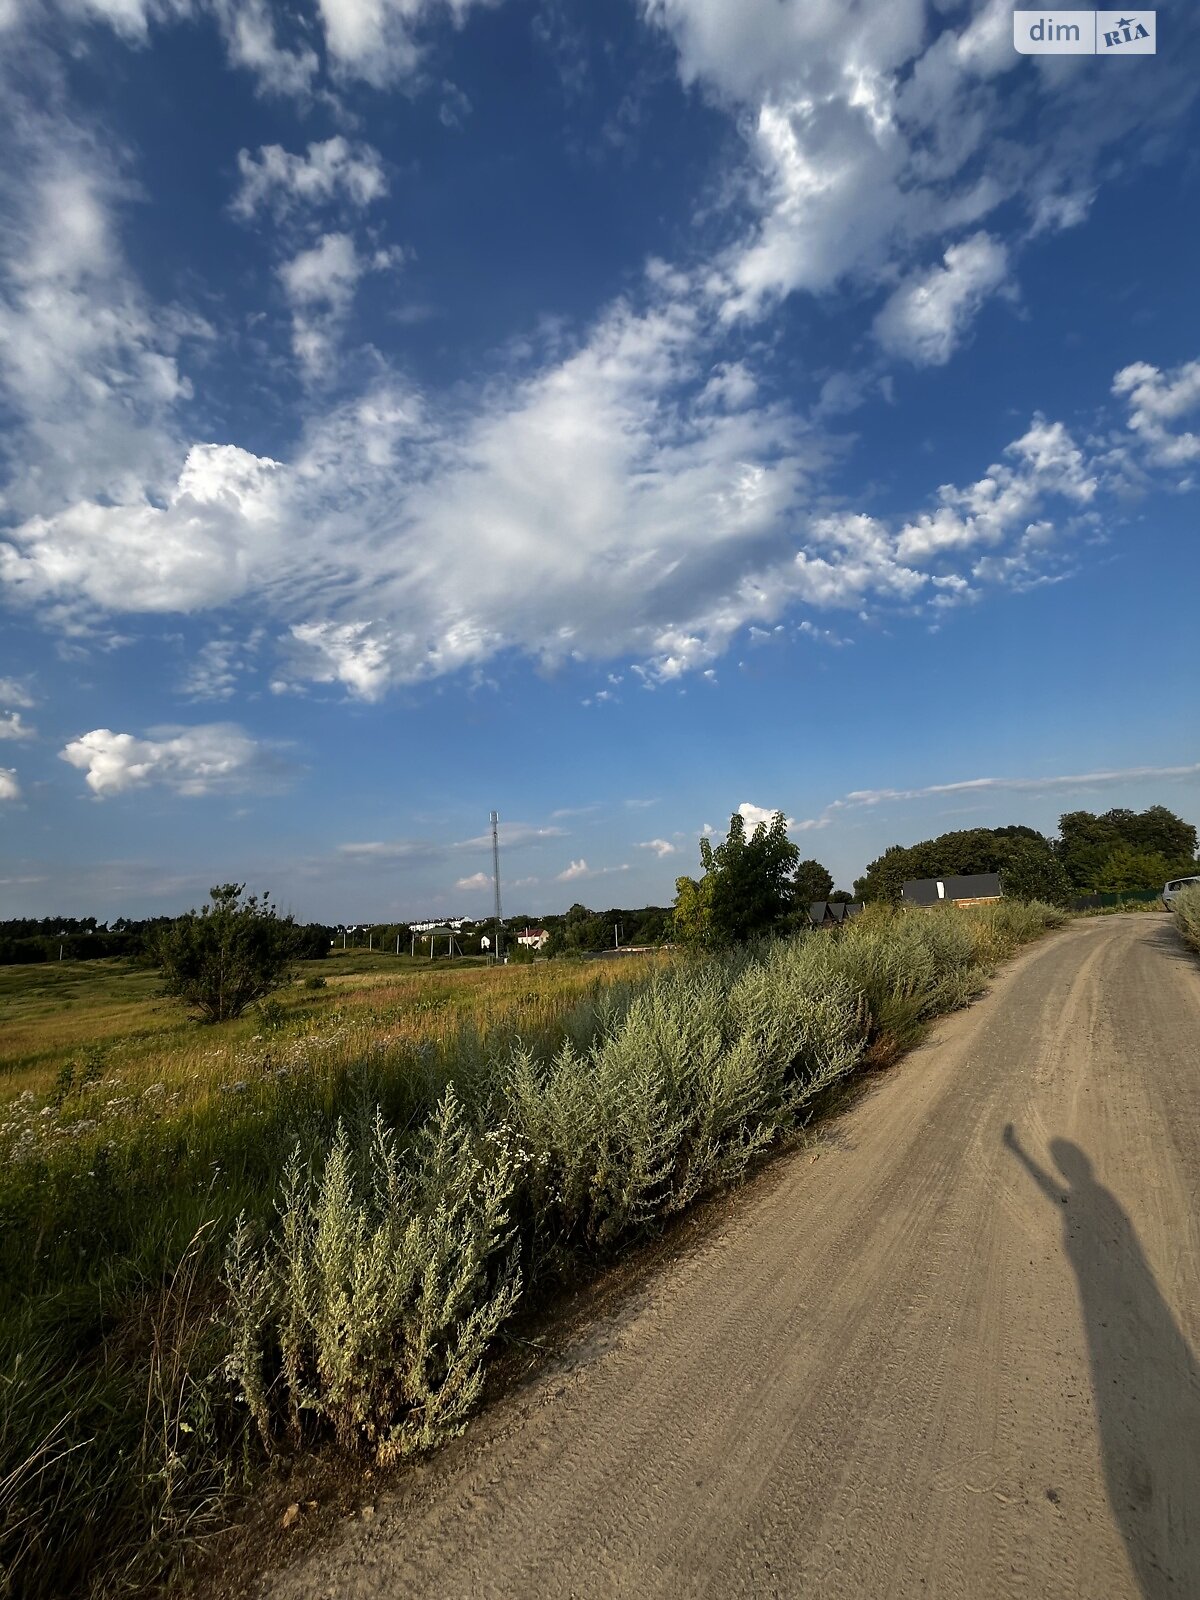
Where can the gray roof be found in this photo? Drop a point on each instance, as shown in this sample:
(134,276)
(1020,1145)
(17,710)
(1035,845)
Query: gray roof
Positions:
(967,886)
(831,911)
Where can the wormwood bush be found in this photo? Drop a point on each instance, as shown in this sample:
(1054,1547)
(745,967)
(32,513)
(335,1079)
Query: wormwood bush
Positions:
(360,1309)
(369,1312)
(1187,916)
(704,1068)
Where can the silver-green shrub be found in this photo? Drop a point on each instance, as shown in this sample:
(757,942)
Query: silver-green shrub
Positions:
(368,1311)
(371,1308)
(1186,909)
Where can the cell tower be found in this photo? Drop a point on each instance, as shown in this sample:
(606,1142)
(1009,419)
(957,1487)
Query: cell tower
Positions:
(496,873)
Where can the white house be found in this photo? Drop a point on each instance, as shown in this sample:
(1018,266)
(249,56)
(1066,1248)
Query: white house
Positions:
(533,938)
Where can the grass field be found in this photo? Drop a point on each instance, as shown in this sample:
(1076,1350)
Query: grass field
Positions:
(53,1012)
(409,1150)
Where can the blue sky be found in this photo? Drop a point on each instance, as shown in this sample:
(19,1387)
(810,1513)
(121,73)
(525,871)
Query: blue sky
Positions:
(615,415)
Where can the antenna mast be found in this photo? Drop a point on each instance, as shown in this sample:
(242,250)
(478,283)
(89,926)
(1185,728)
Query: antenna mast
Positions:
(496,873)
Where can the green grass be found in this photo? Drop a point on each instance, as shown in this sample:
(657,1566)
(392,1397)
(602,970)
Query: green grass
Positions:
(408,1151)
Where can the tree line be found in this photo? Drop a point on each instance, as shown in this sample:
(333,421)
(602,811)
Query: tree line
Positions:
(1118,852)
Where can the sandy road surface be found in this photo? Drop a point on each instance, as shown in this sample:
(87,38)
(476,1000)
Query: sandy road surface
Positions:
(925,1363)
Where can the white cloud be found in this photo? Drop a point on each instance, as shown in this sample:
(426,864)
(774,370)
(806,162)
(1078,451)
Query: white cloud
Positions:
(218,532)
(661,847)
(642,470)
(1156,399)
(319,284)
(210,758)
(1052,783)
(248,28)
(12,727)
(380,40)
(926,317)
(89,371)
(214,671)
(758,816)
(1045,461)
(331,169)
(579,870)
(14,693)
(327,274)
(513,836)
(10,789)
(477,882)
(876,128)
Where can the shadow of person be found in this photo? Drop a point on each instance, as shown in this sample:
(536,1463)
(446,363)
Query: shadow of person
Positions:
(1144,1377)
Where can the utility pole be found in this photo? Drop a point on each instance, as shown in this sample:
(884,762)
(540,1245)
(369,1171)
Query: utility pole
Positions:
(496,873)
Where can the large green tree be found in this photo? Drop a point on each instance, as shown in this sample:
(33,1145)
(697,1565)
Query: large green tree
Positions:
(233,951)
(1023,857)
(811,881)
(746,889)
(1087,842)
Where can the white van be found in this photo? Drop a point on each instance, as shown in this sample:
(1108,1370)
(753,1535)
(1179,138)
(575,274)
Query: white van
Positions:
(1176,886)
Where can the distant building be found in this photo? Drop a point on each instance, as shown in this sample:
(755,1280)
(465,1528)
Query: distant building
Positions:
(970,889)
(533,938)
(824,913)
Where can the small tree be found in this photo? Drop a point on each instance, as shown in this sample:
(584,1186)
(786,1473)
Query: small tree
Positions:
(746,888)
(232,952)
(811,881)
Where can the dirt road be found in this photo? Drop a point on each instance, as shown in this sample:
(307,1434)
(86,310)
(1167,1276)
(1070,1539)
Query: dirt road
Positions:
(920,1358)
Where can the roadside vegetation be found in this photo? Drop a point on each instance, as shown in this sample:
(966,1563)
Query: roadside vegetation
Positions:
(1187,916)
(305,1228)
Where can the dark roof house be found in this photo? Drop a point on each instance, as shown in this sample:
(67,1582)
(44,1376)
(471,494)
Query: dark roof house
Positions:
(965,889)
(823,912)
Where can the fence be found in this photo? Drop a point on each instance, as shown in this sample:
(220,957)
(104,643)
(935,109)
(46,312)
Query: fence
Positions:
(1131,897)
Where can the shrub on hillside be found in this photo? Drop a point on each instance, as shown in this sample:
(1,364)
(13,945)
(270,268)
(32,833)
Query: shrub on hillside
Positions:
(228,955)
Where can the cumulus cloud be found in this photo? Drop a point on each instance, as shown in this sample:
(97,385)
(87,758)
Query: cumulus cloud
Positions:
(640,466)
(218,529)
(661,847)
(928,315)
(12,727)
(1157,399)
(1044,461)
(758,816)
(210,758)
(10,788)
(476,882)
(330,170)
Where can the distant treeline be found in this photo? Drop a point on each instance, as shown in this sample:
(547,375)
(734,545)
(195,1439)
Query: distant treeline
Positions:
(33,939)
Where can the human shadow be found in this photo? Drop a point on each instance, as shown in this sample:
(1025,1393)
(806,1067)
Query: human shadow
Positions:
(1144,1378)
